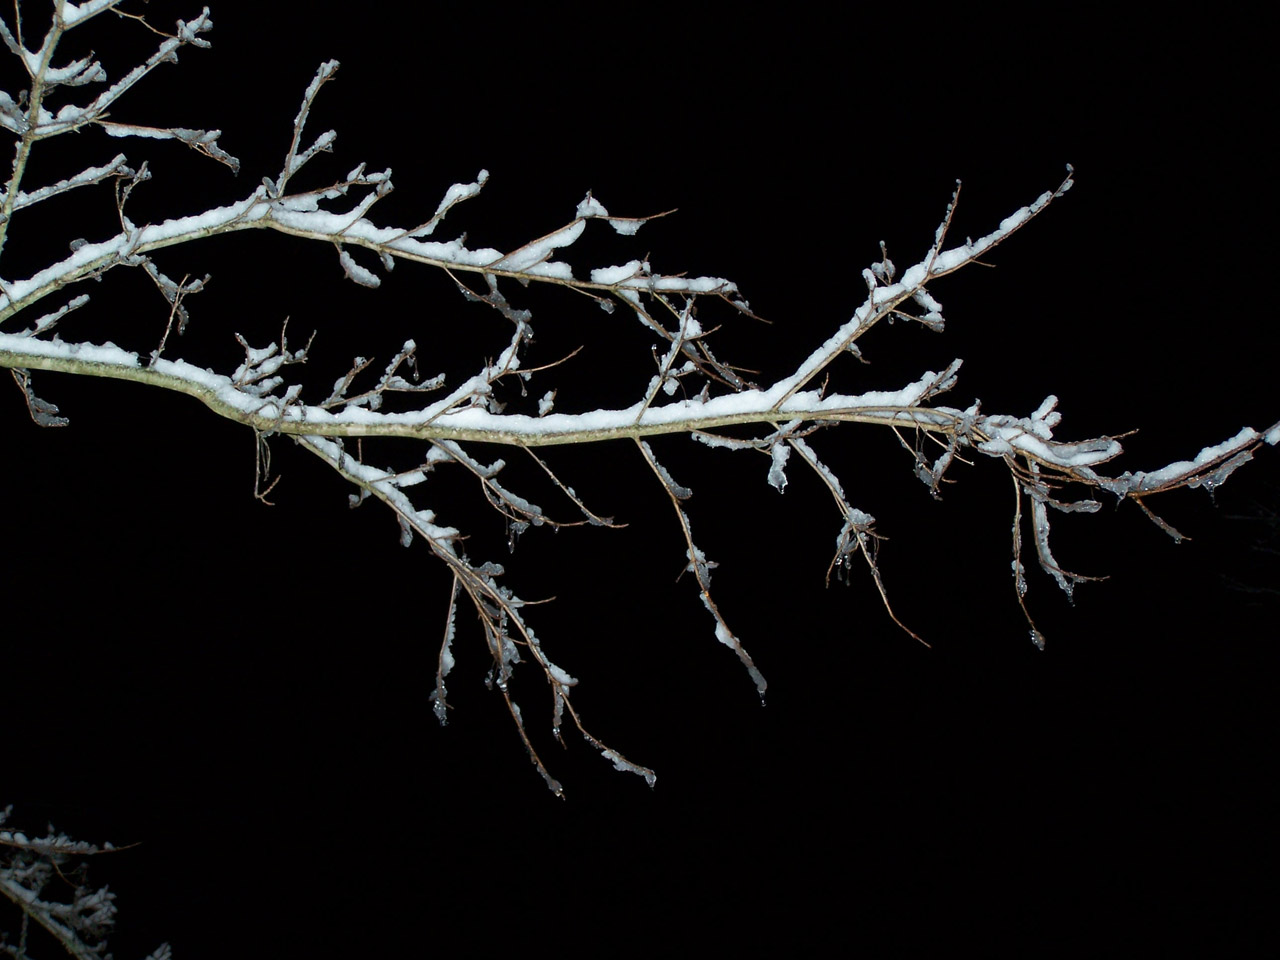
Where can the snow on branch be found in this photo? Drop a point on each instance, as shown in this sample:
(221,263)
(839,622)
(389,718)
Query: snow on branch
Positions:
(202,141)
(691,391)
(85,177)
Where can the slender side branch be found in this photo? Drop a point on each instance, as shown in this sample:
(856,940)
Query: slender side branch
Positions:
(701,567)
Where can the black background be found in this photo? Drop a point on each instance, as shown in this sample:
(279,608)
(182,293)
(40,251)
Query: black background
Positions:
(243,689)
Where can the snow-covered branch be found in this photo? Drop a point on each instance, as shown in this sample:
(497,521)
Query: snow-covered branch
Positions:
(691,390)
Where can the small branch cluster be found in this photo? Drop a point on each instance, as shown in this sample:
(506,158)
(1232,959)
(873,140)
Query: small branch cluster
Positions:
(44,878)
(691,391)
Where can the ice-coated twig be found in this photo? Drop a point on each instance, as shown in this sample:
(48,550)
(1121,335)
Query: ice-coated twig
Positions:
(42,412)
(516,509)
(1019,571)
(1040,502)
(701,567)
(857,535)
(174,293)
(444,662)
(591,518)
(390,382)
(294,160)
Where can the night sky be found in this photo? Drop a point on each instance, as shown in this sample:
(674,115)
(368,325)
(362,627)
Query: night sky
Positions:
(242,689)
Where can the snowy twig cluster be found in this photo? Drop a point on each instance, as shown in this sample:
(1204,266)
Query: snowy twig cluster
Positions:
(691,391)
(44,878)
